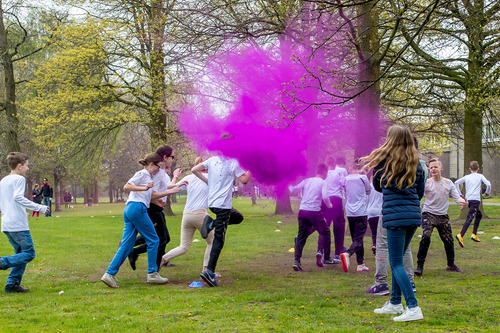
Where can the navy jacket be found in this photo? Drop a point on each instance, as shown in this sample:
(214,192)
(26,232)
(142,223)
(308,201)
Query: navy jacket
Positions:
(401,207)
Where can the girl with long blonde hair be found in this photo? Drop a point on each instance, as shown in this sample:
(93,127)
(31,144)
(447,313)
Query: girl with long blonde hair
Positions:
(399,176)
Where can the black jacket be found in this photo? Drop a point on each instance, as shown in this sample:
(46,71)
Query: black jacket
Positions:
(47,190)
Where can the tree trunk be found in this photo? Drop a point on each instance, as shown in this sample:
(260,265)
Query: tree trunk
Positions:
(168,208)
(110,191)
(95,192)
(10,90)
(57,190)
(283,203)
(86,194)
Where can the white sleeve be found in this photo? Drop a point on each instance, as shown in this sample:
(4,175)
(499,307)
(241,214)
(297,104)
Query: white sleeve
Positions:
(298,187)
(455,194)
(457,184)
(324,195)
(137,179)
(366,182)
(487,183)
(238,171)
(20,199)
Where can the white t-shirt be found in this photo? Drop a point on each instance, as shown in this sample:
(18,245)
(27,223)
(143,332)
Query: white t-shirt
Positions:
(141,178)
(314,190)
(197,193)
(221,174)
(375,200)
(357,189)
(335,183)
(437,194)
(473,186)
(13,204)
(161,180)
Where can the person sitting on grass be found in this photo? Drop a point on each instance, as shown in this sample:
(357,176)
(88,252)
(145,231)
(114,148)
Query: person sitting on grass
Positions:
(310,216)
(434,214)
(15,223)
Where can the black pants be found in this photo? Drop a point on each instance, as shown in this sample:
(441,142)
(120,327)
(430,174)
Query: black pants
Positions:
(156,215)
(357,227)
(224,217)
(373,223)
(473,212)
(335,215)
(309,221)
(443,225)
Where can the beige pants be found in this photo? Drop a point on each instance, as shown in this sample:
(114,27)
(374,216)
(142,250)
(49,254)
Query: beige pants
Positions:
(191,221)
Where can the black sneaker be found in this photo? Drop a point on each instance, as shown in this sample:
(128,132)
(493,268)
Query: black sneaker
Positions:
(15,288)
(419,270)
(132,258)
(454,268)
(207,226)
(209,278)
(296,266)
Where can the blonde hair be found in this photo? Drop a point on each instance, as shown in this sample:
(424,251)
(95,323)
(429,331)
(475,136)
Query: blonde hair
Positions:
(400,155)
(435,159)
(198,160)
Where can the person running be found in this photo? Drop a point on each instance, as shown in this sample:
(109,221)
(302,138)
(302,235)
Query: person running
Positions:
(434,214)
(162,183)
(399,176)
(37,195)
(335,181)
(193,215)
(473,183)
(15,223)
(136,220)
(222,172)
(357,189)
(310,217)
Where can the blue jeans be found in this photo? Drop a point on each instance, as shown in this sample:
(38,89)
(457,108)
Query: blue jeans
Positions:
(398,241)
(22,243)
(48,202)
(136,220)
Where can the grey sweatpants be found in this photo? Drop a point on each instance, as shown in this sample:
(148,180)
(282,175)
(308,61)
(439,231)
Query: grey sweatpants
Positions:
(382,257)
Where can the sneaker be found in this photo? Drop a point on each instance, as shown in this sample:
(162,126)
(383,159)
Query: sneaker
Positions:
(109,280)
(414,287)
(374,249)
(337,260)
(390,308)
(296,266)
(460,240)
(454,268)
(344,257)
(362,268)
(475,238)
(419,270)
(410,314)
(329,261)
(206,227)
(132,258)
(15,288)
(209,278)
(156,278)
(319,259)
(380,290)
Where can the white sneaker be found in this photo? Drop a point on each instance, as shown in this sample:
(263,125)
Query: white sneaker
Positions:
(390,308)
(344,257)
(410,314)
(362,268)
(156,278)
(109,280)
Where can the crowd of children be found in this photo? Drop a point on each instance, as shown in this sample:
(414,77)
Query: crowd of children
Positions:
(388,201)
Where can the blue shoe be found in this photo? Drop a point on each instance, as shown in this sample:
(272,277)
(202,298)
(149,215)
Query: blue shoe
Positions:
(209,277)
(381,290)
(207,226)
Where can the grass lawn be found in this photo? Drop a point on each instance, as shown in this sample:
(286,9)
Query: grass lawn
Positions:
(259,291)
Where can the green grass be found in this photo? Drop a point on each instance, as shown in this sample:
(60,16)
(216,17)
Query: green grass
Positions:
(259,292)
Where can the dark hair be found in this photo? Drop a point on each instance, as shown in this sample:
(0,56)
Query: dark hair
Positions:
(340,160)
(415,141)
(474,165)
(321,169)
(151,158)
(15,158)
(164,150)
(330,161)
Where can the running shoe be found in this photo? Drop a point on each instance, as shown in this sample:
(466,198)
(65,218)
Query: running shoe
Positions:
(419,270)
(209,278)
(454,268)
(410,314)
(319,259)
(390,308)
(475,238)
(381,290)
(296,266)
(207,226)
(362,268)
(460,240)
(344,257)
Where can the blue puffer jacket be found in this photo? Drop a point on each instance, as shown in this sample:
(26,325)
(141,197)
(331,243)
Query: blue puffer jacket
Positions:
(401,207)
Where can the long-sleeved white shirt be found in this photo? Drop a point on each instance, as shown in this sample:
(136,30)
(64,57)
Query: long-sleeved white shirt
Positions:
(473,186)
(13,204)
(357,189)
(314,190)
(335,183)
(197,193)
(375,200)
(437,194)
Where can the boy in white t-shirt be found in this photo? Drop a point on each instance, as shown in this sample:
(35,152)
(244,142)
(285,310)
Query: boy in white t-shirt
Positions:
(473,183)
(310,216)
(434,214)
(357,188)
(222,172)
(15,224)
